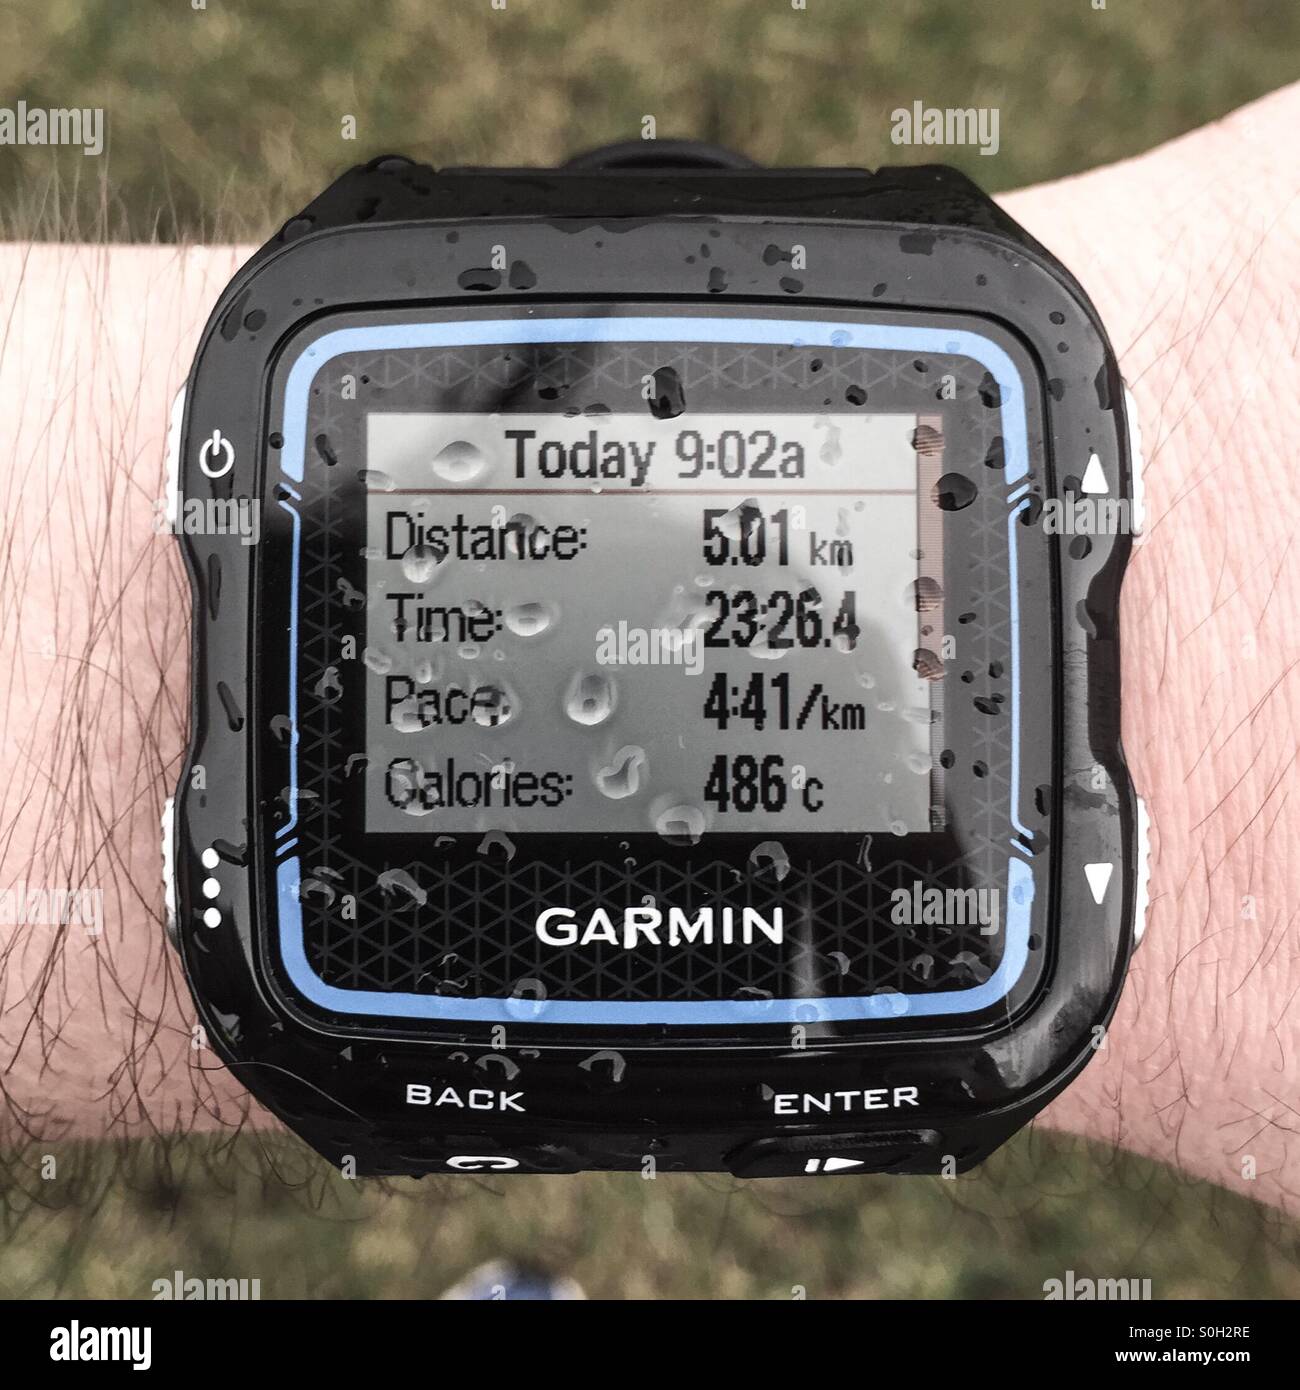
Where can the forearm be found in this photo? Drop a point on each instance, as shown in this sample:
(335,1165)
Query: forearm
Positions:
(1192,256)
(95,1024)
(95,1031)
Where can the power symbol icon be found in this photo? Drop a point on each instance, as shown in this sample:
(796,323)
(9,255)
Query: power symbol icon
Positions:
(216,455)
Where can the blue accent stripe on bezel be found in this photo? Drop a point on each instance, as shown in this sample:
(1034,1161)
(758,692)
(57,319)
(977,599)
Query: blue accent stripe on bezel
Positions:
(688,329)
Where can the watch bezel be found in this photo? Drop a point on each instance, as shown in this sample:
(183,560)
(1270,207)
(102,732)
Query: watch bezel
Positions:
(959,270)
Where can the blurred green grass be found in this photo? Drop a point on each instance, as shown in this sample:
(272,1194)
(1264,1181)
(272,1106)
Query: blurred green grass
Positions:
(226,120)
(223,121)
(1041,1207)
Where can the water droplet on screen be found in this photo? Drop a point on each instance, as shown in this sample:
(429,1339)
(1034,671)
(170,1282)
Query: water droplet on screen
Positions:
(329,688)
(406,720)
(420,563)
(519,527)
(740,520)
(590,699)
(622,778)
(681,825)
(527,999)
(459,462)
(316,889)
(349,595)
(405,777)
(922,966)
(493,706)
(953,492)
(895,1003)
(832,448)
(444,967)
(770,857)
(494,1061)
(760,651)
(669,399)
(927,664)
(927,441)
(970,963)
(925,594)
(607,1065)
(497,840)
(398,883)
(528,619)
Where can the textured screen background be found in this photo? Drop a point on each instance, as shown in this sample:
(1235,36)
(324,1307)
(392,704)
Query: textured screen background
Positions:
(453,913)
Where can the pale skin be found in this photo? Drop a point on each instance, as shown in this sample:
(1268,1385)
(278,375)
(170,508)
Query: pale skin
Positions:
(1191,254)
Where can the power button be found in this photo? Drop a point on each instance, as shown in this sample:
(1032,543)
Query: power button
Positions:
(1142,896)
(173,484)
(1137,465)
(170,911)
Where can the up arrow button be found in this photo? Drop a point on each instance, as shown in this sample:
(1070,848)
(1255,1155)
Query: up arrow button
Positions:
(1094,476)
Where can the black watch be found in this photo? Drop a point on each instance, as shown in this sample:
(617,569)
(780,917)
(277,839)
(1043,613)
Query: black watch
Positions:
(656,671)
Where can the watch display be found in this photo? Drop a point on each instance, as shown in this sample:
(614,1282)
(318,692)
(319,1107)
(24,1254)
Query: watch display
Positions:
(657,668)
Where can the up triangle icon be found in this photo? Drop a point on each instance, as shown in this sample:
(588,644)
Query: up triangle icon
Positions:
(1094,476)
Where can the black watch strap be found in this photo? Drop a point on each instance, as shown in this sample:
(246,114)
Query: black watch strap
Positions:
(614,184)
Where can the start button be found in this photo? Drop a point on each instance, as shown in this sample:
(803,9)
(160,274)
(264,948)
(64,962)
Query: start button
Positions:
(898,1151)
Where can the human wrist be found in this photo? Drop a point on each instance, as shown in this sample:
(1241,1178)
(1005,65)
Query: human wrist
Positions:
(95,1036)
(1190,254)
(1160,316)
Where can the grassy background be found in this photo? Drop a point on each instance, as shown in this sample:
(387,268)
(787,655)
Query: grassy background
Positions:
(229,118)
(115,1222)
(222,122)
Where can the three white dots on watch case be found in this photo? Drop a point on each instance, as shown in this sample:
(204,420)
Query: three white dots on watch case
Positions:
(211,915)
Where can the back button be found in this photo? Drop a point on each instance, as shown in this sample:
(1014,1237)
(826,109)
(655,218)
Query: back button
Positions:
(487,1156)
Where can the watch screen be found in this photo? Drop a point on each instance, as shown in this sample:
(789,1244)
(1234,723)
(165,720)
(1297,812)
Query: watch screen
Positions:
(612,621)
(626,671)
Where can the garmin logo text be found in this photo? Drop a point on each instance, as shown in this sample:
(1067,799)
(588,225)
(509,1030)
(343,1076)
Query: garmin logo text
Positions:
(930,125)
(77,1343)
(36,125)
(919,906)
(637,926)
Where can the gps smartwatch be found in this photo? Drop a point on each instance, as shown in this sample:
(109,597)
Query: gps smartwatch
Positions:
(656,680)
